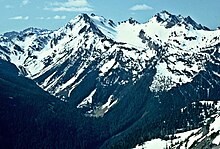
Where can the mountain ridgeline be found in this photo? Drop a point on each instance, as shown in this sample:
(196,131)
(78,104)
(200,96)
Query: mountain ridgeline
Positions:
(97,84)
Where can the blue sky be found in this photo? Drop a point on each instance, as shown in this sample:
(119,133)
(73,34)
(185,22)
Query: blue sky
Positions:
(52,14)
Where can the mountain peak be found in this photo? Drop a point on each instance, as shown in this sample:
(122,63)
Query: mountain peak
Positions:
(92,23)
(102,20)
(163,15)
(92,18)
(189,20)
(80,17)
(169,20)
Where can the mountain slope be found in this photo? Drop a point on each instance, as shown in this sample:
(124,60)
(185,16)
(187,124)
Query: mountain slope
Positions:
(109,70)
(207,136)
(31,118)
(60,60)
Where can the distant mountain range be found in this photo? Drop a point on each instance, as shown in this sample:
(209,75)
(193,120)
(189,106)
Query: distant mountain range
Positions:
(129,81)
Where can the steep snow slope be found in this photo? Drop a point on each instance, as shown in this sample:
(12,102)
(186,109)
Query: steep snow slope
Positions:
(182,40)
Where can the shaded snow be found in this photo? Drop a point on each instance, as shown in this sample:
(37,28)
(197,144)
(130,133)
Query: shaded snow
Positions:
(87,100)
(153,144)
(100,111)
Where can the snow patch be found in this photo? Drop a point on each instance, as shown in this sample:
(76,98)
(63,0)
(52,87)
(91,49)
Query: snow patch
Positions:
(87,101)
(107,66)
(100,111)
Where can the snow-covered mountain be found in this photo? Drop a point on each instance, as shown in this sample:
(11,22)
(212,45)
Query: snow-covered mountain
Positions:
(104,69)
(175,46)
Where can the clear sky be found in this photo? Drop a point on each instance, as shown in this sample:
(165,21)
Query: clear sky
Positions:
(52,14)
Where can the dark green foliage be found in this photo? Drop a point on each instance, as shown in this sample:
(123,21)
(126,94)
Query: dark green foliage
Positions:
(31,118)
